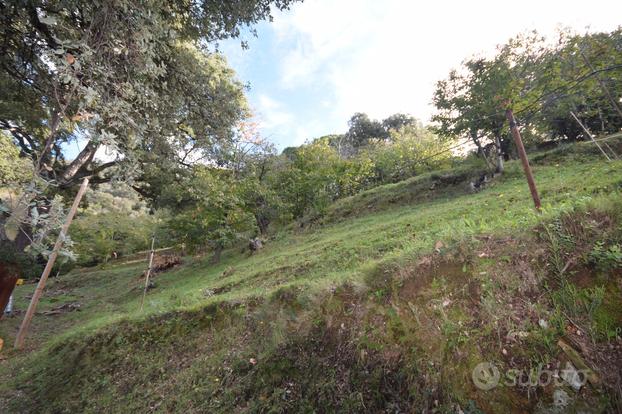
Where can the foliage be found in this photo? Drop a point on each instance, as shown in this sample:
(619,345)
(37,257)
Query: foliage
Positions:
(137,79)
(363,131)
(572,77)
(13,169)
(210,211)
(411,151)
(542,81)
(115,223)
(313,175)
(606,258)
(308,179)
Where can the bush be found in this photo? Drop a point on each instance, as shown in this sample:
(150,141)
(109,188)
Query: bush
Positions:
(98,236)
(606,258)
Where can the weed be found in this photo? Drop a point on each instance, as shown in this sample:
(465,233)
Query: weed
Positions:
(606,258)
(559,242)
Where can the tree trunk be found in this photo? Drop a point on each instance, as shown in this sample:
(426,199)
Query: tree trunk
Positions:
(84,158)
(500,166)
(262,223)
(217,253)
(480,149)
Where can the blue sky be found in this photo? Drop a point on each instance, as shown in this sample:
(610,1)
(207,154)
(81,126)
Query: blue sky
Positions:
(321,61)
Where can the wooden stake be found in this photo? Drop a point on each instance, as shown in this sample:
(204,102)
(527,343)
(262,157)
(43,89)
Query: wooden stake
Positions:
(523,157)
(142,302)
(23,329)
(590,135)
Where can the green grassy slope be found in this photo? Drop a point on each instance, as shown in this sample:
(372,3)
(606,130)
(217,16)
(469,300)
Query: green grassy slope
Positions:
(384,304)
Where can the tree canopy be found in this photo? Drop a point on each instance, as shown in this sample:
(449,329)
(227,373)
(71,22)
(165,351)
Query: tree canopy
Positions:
(139,79)
(542,81)
(136,78)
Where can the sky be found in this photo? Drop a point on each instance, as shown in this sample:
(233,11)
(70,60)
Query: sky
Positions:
(315,65)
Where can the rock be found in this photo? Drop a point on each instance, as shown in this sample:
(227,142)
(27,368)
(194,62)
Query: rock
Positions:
(572,376)
(255,244)
(438,246)
(560,398)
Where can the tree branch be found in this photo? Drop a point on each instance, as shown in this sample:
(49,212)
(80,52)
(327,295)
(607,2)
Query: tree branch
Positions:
(84,158)
(41,28)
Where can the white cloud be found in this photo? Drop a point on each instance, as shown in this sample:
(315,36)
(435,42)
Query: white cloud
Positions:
(385,57)
(271,114)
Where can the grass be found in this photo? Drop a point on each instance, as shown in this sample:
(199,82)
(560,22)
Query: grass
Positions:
(348,311)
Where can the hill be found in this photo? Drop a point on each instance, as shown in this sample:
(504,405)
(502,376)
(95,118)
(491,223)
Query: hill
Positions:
(387,303)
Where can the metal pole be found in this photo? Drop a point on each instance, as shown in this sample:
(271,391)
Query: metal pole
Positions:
(23,330)
(523,157)
(142,302)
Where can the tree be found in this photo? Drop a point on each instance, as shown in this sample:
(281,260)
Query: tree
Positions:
(412,149)
(582,75)
(362,130)
(114,222)
(210,211)
(468,104)
(542,81)
(397,121)
(14,171)
(252,159)
(133,77)
(306,177)
(471,102)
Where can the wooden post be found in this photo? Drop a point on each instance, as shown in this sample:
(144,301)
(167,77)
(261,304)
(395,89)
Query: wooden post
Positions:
(590,135)
(523,157)
(142,302)
(23,329)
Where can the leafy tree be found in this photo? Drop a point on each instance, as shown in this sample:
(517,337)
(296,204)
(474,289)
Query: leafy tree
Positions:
(469,103)
(252,159)
(307,179)
(14,171)
(210,212)
(115,221)
(572,76)
(398,121)
(412,150)
(362,130)
(541,81)
(133,77)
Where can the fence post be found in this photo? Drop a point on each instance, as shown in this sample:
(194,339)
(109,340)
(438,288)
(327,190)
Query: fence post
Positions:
(523,157)
(23,329)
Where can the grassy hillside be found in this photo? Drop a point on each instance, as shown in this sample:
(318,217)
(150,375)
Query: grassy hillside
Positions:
(386,303)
